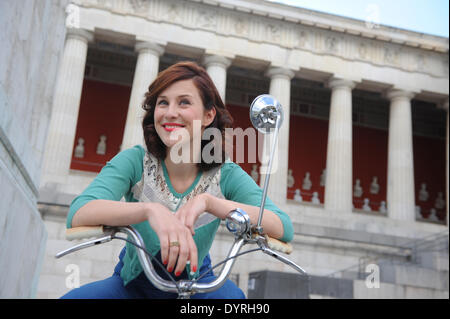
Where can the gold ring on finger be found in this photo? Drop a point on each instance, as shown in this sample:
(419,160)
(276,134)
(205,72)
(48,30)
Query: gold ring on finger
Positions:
(174,244)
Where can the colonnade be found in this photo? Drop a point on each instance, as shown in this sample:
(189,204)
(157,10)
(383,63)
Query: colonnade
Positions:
(338,187)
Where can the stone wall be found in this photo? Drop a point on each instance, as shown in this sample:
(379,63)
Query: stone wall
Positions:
(32,40)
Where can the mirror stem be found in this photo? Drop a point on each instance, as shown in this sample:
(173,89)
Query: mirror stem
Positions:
(258,228)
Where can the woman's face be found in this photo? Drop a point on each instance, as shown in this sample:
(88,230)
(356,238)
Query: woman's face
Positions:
(177,107)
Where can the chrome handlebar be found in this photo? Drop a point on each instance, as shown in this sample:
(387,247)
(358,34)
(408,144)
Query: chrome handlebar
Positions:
(237,223)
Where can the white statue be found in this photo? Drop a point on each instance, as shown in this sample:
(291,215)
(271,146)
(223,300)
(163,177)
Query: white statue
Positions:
(79,149)
(423,194)
(382,208)
(101,146)
(315,199)
(439,202)
(374,187)
(357,189)
(254,173)
(290,179)
(366,206)
(418,212)
(307,182)
(323,177)
(433,217)
(297,196)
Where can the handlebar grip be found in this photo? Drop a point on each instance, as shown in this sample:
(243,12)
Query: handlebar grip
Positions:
(84,232)
(278,245)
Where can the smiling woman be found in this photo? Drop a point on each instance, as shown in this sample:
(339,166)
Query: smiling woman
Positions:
(176,207)
(177,110)
(183,89)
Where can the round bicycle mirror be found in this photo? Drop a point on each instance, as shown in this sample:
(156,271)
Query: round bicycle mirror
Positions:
(264,112)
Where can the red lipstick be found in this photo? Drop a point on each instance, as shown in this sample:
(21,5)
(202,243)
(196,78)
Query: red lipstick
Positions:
(169,127)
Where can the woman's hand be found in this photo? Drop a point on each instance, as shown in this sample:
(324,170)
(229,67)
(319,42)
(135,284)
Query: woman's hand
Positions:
(171,230)
(220,208)
(189,212)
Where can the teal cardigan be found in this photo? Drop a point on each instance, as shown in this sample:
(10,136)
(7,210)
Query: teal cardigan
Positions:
(117,178)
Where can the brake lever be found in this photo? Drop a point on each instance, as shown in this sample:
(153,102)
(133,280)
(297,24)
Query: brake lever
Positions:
(86,244)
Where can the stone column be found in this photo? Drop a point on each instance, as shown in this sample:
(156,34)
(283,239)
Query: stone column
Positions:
(216,66)
(147,67)
(280,88)
(400,188)
(338,183)
(66,103)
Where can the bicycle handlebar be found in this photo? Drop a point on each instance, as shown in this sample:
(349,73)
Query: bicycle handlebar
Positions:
(85,232)
(183,287)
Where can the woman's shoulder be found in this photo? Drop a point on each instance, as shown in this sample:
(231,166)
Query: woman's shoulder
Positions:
(234,177)
(129,160)
(230,169)
(135,153)
(136,150)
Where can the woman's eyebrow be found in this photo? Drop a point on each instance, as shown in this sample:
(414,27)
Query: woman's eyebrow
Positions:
(181,95)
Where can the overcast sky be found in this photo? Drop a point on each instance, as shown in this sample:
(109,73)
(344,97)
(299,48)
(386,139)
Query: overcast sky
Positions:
(425,16)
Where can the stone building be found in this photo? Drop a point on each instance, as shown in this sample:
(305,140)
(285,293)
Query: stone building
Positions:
(364,143)
(32,40)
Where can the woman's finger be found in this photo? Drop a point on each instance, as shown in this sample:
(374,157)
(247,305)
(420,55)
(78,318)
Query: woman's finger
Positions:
(174,248)
(184,252)
(193,255)
(164,243)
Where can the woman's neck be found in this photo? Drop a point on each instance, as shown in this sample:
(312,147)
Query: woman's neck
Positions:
(181,171)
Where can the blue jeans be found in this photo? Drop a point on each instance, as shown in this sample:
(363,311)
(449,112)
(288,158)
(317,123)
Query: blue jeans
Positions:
(141,287)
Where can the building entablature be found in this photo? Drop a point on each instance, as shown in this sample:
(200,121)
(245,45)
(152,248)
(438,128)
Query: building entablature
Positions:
(278,35)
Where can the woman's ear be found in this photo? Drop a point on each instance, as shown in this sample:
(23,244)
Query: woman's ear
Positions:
(209,116)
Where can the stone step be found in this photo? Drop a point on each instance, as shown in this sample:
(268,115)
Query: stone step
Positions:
(413,275)
(433,259)
(431,273)
(394,291)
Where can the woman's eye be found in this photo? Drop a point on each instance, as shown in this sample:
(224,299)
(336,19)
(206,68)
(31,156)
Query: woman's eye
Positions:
(185,102)
(161,102)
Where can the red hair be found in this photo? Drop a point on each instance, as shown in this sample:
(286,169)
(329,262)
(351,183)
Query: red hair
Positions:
(210,98)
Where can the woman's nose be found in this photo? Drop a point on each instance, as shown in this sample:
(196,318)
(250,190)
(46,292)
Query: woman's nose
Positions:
(172,111)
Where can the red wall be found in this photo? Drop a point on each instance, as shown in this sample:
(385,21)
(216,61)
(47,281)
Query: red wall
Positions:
(429,168)
(370,156)
(241,118)
(103,110)
(308,139)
